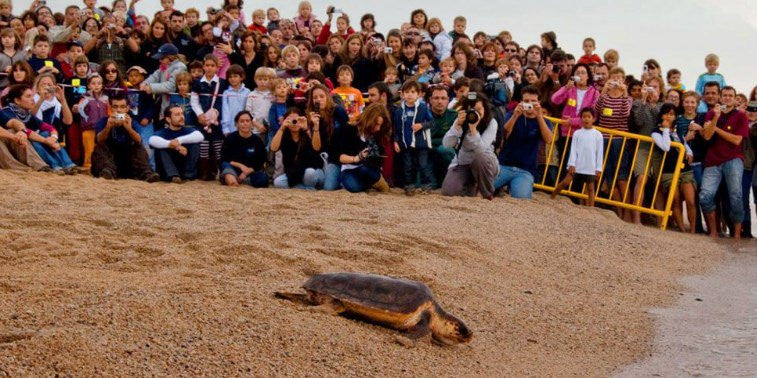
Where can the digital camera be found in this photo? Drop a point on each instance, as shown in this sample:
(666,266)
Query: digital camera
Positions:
(576,79)
(120,117)
(471,116)
(527,106)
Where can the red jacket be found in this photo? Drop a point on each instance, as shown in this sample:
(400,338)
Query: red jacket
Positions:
(259,28)
(590,59)
(326,33)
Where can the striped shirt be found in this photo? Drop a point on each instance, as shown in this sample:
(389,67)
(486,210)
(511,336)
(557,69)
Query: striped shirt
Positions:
(613,113)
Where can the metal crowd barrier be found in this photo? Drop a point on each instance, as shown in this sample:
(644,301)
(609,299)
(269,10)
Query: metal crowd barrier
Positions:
(609,135)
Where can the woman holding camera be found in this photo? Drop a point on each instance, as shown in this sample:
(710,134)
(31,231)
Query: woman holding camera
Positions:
(360,151)
(472,136)
(243,155)
(303,168)
(577,94)
(327,118)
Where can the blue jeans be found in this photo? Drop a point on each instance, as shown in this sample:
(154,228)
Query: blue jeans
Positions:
(170,163)
(312,179)
(520,181)
(257,179)
(145,132)
(732,171)
(746,183)
(359,179)
(331,179)
(416,160)
(698,170)
(55,159)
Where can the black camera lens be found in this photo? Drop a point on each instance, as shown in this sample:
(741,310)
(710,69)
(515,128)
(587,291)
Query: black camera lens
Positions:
(294,122)
(555,69)
(471,117)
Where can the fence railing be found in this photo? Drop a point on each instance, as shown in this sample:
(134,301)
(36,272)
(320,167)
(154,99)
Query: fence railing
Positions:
(606,186)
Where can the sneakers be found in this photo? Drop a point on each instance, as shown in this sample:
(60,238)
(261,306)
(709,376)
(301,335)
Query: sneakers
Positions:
(176,180)
(409,191)
(153,177)
(107,174)
(71,171)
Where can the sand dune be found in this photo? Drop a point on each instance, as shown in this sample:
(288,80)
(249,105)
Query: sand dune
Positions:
(129,278)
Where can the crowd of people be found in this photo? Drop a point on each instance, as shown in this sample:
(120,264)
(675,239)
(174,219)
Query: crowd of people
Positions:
(301,103)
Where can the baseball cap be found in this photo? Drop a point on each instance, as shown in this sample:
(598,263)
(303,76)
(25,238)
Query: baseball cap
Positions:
(138,68)
(165,50)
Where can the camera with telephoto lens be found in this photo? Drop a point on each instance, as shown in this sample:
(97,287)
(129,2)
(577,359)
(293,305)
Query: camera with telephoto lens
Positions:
(471,116)
(373,158)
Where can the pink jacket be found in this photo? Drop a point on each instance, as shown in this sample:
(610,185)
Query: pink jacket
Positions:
(569,98)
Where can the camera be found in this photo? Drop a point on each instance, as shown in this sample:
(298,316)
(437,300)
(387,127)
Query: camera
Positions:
(120,117)
(598,77)
(316,107)
(111,26)
(555,69)
(50,89)
(214,10)
(576,79)
(510,73)
(373,159)
(471,116)
(723,107)
(650,89)
(646,68)
(527,106)
(294,121)
(388,50)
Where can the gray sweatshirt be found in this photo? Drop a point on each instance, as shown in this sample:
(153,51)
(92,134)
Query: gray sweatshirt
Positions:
(472,145)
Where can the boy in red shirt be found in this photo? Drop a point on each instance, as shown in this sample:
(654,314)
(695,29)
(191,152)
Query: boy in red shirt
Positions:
(589,57)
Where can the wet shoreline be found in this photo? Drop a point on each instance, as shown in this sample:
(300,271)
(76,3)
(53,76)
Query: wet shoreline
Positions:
(711,330)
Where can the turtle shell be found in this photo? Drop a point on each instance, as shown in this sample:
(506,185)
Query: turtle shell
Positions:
(373,291)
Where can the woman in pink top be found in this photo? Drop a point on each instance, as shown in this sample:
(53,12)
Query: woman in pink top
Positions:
(576,95)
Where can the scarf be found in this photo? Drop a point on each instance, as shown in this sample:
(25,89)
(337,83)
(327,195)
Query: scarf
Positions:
(21,114)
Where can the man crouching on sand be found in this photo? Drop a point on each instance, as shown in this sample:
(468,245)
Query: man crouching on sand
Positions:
(119,152)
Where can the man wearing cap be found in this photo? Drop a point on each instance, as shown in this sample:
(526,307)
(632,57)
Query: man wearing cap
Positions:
(163,80)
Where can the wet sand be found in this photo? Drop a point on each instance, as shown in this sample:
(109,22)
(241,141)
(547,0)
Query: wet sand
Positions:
(129,278)
(712,330)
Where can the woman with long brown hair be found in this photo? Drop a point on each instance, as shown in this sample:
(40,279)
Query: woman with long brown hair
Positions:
(328,118)
(360,151)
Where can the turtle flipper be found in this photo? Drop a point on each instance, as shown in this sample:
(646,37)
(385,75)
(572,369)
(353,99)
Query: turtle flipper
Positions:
(294,297)
(422,328)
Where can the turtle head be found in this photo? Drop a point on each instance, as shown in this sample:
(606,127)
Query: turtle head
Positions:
(448,329)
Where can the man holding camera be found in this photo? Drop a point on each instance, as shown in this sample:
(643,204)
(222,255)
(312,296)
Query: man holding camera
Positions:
(442,120)
(119,152)
(524,127)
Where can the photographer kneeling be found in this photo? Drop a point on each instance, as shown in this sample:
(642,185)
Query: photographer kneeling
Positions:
(472,135)
(360,151)
(525,127)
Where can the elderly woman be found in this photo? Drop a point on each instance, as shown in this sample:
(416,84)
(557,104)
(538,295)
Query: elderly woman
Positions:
(474,165)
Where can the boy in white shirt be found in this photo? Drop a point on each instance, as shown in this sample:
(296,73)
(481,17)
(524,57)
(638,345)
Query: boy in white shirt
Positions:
(260,100)
(585,160)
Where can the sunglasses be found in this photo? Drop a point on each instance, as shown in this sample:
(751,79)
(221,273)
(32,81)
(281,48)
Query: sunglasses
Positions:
(511,50)
(111,71)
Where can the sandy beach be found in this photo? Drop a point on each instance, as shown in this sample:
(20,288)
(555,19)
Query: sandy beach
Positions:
(128,278)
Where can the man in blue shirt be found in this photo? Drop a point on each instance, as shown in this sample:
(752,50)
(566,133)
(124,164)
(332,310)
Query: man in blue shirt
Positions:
(119,152)
(524,128)
(177,147)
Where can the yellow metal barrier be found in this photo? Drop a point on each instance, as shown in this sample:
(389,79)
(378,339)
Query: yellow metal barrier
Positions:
(637,203)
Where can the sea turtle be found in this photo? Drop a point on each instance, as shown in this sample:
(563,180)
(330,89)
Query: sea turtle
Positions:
(397,303)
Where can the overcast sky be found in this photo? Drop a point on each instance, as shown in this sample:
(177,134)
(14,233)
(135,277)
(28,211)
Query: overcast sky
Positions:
(676,33)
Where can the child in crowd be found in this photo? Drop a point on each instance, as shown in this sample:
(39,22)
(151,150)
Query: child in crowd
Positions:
(278,107)
(206,104)
(589,57)
(460,89)
(273,19)
(612,58)
(351,97)
(674,80)
(260,100)
(92,109)
(192,17)
(183,98)
(391,79)
(424,71)
(196,70)
(258,17)
(313,64)
(40,60)
(447,72)
(412,139)
(141,107)
(585,161)
(458,30)
(500,87)
(712,62)
(234,99)
(6,13)
(224,27)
